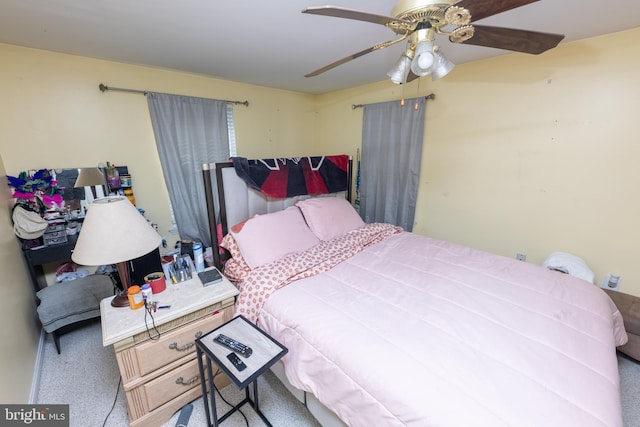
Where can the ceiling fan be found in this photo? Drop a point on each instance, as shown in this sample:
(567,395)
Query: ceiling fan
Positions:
(418,21)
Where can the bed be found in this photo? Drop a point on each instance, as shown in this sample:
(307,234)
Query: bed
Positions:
(386,327)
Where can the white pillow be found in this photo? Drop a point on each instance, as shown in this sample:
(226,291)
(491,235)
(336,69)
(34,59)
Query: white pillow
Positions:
(329,217)
(266,238)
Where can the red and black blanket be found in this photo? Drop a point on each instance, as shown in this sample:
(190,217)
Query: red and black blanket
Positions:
(294,176)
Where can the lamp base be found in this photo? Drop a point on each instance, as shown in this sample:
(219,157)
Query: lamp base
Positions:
(120,300)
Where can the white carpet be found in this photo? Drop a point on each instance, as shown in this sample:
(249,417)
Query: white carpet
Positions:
(86,377)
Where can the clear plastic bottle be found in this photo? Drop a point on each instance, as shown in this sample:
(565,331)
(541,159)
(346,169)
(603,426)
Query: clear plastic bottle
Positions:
(146,293)
(198,256)
(113,176)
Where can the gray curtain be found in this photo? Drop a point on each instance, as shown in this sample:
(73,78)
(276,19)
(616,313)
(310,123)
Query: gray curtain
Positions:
(392,138)
(189,132)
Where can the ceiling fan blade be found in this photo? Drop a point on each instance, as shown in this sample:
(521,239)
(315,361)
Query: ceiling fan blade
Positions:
(483,9)
(340,62)
(356,55)
(516,40)
(340,12)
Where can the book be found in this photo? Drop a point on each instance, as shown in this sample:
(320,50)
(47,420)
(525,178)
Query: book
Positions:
(210,277)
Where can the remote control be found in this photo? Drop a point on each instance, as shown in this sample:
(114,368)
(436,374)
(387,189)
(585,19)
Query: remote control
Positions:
(234,345)
(239,364)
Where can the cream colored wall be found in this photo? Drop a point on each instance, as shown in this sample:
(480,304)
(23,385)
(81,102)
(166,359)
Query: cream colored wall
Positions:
(20,330)
(529,154)
(53,115)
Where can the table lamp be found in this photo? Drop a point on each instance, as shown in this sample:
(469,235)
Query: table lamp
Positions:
(114,232)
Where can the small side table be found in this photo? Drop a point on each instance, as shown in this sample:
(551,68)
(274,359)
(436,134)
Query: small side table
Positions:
(266,352)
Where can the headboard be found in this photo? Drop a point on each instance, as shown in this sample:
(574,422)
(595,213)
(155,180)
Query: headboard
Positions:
(237,201)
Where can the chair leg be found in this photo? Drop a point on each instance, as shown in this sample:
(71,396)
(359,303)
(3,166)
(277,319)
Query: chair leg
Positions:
(56,339)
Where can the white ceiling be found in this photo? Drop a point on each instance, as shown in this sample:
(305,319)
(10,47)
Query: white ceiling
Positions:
(267,42)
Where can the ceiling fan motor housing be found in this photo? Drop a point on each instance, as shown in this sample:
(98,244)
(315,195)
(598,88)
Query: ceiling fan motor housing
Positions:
(417,11)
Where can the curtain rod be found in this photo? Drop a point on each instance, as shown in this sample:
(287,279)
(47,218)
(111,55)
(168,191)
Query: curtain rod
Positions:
(103,88)
(430,96)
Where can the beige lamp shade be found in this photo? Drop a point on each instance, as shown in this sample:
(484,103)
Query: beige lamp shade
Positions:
(113,231)
(88,177)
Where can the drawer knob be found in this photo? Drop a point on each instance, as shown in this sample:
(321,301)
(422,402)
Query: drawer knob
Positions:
(174,345)
(181,380)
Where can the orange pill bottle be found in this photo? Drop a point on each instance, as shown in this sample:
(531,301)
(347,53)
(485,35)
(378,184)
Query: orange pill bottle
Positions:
(135,297)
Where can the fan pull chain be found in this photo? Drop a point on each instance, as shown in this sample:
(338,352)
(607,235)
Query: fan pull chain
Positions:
(415,106)
(402,100)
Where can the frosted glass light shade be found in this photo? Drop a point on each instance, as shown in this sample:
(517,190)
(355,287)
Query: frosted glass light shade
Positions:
(400,70)
(113,231)
(424,59)
(442,68)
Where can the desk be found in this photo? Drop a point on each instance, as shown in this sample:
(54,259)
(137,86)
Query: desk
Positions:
(157,365)
(266,352)
(36,258)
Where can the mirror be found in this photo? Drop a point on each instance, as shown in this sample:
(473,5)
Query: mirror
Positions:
(76,199)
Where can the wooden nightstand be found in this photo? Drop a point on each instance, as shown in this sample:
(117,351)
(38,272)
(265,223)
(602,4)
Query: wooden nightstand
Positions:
(158,365)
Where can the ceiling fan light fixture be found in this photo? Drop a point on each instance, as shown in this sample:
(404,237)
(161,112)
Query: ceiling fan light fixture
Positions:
(400,70)
(443,66)
(423,59)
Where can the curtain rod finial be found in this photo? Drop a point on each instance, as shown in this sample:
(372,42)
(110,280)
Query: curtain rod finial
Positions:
(102,87)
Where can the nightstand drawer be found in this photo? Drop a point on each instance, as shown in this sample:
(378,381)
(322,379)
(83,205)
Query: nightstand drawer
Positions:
(172,384)
(174,345)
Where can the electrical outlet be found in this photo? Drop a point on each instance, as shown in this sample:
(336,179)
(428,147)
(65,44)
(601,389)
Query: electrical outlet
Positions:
(521,257)
(612,282)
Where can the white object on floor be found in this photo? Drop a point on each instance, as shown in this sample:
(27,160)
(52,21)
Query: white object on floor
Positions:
(570,264)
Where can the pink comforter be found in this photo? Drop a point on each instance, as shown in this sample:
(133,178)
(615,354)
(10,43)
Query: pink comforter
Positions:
(258,284)
(416,331)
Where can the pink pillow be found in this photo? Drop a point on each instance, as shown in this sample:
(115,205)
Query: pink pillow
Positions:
(329,217)
(266,238)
